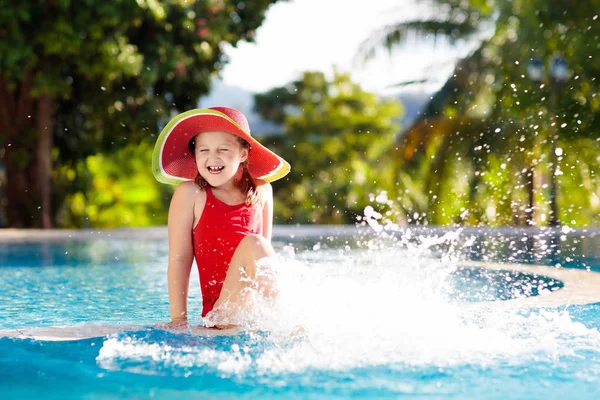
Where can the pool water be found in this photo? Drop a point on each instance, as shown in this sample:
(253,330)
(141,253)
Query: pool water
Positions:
(383,316)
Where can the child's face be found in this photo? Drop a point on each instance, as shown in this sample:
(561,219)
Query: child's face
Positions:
(218,156)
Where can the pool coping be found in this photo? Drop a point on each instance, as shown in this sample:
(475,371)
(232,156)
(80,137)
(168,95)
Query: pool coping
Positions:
(580,286)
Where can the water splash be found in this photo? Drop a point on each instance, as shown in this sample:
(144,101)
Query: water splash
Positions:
(384,302)
(146,356)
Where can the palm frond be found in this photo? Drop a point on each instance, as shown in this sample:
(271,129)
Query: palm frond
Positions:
(394,35)
(454,86)
(407,83)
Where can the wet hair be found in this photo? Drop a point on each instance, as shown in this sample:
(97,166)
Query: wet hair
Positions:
(246,183)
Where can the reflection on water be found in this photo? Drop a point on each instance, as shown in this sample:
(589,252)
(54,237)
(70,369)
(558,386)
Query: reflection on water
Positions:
(561,247)
(80,252)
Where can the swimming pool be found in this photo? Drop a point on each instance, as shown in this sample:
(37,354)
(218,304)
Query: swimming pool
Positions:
(388,315)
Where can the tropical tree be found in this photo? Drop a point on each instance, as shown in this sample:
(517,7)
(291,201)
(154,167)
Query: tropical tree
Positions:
(78,77)
(335,136)
(490,123)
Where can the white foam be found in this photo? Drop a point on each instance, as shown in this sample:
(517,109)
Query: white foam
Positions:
(372,307)
(135,355)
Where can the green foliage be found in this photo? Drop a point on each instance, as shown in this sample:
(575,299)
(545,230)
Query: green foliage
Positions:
(335,137)
(162,57)
(115,71)
(120,191)
(579,177)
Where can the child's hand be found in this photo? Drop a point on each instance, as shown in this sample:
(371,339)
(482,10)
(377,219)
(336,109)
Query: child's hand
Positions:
(174,325)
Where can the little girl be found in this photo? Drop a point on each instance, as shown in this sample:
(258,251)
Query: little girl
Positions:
(221,213)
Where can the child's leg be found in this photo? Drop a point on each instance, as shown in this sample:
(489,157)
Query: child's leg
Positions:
(243,274)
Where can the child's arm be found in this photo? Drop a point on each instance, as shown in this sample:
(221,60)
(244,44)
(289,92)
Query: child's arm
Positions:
(267,199)
(181,252)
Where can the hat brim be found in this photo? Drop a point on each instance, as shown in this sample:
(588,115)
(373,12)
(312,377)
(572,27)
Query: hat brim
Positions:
(173,163)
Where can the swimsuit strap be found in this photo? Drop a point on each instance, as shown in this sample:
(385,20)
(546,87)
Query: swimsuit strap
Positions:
(215,201)
(209,192)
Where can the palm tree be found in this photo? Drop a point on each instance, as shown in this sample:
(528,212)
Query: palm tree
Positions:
(453,22)
(488,108)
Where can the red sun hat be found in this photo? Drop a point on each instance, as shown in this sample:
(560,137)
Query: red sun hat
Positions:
(173,163)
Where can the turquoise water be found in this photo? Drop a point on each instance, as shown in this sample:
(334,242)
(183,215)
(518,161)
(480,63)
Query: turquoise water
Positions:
(383,317)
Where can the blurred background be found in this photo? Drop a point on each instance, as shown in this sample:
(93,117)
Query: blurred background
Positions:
(454,113)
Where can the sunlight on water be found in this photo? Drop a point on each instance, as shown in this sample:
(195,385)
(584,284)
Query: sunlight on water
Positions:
(385,303)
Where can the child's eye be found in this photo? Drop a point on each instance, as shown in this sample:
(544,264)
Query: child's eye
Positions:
(203,150)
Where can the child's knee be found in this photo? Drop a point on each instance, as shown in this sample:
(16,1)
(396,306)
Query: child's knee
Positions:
(260,246)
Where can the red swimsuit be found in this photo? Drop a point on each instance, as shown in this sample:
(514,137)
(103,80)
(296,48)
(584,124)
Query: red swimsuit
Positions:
(216,236)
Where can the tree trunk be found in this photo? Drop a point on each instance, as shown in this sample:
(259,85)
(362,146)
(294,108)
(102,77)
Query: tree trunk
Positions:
(44,158)
(474,188)
(530,210)
(20,204)
(26,137)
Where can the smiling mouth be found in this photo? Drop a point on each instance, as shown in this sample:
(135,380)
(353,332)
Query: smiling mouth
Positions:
(215,170)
